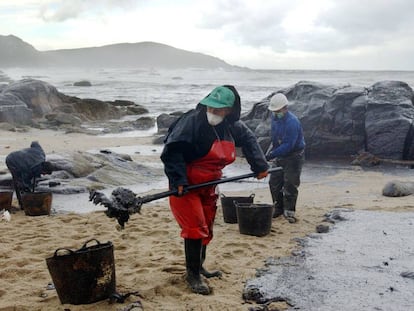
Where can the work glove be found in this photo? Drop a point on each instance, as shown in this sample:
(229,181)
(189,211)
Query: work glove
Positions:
(262,175)
(268,157)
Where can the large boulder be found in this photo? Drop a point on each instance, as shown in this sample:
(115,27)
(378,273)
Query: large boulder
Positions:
(340,121)
(14,110)
(79,171)
(89,109)
(389,119)
(22,101)
(28,101)
(38,96)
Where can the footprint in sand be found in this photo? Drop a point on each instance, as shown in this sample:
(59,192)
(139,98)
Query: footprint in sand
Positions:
(22,262)
(174,269)
(155,233)
(238,249)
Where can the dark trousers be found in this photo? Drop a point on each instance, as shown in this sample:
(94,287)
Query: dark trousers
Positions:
(284,184)
(19,184)
(18,188)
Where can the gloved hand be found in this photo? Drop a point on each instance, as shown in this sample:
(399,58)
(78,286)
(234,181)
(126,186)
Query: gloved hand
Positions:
(181,190)
(262,175)
(268,157)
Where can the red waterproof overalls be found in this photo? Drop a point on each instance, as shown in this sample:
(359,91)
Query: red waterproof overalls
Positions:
(196,210)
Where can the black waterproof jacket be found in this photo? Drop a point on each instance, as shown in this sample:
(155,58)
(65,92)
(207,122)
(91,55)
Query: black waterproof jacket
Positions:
(26,164)
(191,138)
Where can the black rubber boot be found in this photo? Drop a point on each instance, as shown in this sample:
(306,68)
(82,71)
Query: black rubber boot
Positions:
(207,274)
(278,205)
(193,264)
(290,216)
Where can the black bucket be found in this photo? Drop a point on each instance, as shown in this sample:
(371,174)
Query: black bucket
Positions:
(83,276)
(229,207)
(254,219)
(37,203)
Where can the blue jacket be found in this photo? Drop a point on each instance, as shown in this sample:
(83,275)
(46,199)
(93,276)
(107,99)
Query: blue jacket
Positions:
(287,136)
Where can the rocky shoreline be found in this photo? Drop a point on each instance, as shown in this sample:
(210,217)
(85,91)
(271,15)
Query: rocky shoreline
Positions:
(339,122)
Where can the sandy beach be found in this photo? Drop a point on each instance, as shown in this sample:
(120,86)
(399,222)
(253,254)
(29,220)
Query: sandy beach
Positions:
(149,255)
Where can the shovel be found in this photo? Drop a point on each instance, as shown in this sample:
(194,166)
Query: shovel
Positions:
(124,202)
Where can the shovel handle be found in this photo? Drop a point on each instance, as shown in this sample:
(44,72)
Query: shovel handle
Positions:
(156,196)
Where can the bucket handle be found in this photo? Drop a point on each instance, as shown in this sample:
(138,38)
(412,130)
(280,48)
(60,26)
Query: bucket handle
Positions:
(71,251)
(250,196)
(86,243)
(61,249)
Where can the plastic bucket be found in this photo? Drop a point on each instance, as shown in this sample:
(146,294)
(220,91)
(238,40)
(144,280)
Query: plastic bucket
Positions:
(6,197)
(37,203)
(229,207)
(254,219)
(83,276)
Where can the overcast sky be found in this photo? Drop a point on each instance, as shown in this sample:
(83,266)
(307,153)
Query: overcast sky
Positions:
(265,34)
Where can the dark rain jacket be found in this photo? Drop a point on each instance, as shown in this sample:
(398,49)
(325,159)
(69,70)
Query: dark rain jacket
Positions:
(191,137)
(26,164)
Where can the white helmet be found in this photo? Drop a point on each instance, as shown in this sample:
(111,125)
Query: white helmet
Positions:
(278,101)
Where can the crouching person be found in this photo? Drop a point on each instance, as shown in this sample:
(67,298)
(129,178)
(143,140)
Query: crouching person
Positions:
(25,166)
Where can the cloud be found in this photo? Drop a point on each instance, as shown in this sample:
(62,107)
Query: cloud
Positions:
(62,10)
(373,15)
(252,23)
(355,23)
(261,33)
(311,26)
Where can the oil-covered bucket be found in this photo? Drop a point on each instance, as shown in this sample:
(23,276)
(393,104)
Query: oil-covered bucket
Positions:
(229,208)
(85,275)
(37,203)
(6,197)
(254,219)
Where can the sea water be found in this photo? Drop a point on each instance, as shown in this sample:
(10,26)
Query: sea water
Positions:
(165,91)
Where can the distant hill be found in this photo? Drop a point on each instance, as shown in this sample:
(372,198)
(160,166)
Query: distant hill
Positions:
(16,52)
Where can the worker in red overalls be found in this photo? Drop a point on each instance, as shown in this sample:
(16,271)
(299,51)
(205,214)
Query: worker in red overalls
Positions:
(197,147)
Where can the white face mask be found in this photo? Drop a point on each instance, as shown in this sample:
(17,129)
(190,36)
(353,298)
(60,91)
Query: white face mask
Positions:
(214,119)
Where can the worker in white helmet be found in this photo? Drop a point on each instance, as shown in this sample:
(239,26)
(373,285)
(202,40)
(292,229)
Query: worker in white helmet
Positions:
(287,151)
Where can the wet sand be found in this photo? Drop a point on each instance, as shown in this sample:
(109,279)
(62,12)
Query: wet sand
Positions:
(149,256)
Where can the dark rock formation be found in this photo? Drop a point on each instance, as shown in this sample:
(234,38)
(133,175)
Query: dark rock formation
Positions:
(340,121)
(37,103)
(82,83)
(165,120)
(144,123)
